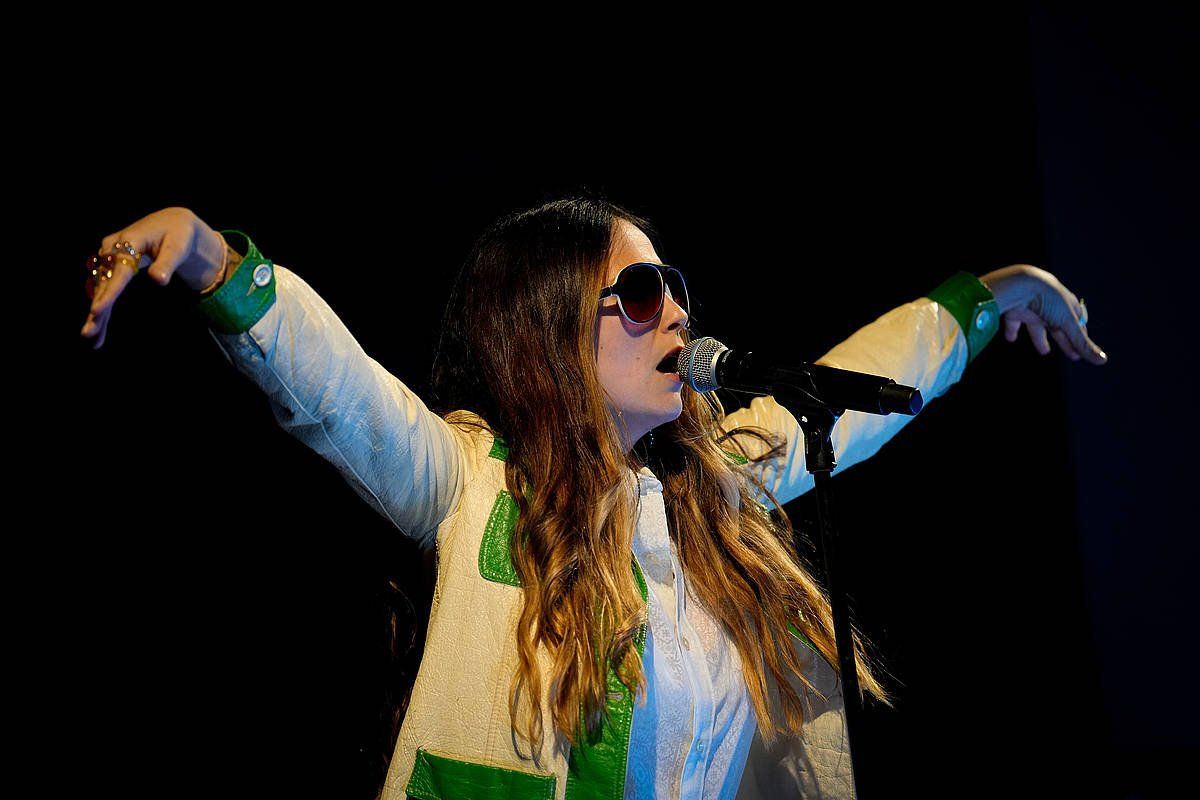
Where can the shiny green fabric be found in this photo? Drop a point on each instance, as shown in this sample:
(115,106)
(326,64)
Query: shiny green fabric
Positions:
(737,458)
(495,556)
(239,303)
(597,767)
(796,632)
(597,764)
(440,778)
(973,305)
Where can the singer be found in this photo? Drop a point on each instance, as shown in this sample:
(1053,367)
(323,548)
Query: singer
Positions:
(620,610)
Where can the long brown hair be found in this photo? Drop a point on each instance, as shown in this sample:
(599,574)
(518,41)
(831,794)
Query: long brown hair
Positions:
(518,348)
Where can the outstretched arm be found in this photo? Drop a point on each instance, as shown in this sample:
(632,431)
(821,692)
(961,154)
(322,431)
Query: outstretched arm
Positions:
(926,343)
(408,463)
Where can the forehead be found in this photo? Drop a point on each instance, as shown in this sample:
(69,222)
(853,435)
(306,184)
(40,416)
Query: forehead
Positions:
(629,245)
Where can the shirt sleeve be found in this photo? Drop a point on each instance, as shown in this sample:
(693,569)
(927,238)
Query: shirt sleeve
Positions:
(405,461)
(926,343)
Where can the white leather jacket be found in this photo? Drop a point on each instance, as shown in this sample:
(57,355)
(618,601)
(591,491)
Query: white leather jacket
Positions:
(445,488)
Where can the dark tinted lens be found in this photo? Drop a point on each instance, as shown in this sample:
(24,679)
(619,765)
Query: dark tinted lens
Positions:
(678,288)
(640,291)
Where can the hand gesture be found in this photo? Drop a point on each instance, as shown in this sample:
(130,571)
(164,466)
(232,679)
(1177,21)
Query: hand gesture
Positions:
(1034,298)
(172,241)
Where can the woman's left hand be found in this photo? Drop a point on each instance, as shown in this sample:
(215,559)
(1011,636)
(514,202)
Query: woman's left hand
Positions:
(1033,297)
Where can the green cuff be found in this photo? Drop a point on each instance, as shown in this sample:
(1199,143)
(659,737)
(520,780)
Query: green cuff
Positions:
(971,303)
(246,294)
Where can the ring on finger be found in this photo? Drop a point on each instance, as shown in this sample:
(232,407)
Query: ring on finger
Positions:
(100,270)
(125,248)
(100,267)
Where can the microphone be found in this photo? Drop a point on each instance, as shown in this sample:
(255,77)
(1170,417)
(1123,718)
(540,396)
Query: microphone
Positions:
(706,364)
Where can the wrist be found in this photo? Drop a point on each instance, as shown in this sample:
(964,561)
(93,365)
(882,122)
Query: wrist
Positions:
(1013,286)
(246,293)
(973,305)
(215,276)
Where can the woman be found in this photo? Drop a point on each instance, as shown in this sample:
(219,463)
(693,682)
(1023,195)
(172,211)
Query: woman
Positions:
(619,608)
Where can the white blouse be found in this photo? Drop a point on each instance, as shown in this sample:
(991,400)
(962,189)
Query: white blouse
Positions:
(691,737)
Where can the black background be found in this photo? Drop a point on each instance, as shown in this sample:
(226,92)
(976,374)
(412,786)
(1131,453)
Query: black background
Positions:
(1021,552)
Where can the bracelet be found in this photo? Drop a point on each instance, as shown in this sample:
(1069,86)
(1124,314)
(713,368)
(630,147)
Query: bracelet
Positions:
(220,279)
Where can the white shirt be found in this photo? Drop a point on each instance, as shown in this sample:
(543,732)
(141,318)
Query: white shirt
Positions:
(691,737)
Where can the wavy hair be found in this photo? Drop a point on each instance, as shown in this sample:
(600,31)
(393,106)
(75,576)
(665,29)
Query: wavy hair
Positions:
(517,348)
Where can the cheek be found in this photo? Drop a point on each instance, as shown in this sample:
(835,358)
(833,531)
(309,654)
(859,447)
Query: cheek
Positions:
(608,350)
(621,358)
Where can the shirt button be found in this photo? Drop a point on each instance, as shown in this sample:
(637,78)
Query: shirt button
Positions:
(981,322)
(262,275)
(700,747)
(686,645)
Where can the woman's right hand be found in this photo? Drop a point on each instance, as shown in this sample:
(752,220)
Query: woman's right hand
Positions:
(177,240)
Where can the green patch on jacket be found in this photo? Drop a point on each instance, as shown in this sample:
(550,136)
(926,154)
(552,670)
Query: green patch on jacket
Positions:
(436,777)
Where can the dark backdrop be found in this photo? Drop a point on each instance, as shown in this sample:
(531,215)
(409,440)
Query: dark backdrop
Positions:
(1018,552)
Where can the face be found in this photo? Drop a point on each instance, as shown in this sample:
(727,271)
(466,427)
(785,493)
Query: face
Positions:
(627,353)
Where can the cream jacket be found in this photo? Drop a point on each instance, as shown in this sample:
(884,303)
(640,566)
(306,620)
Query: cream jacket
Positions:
(445,488)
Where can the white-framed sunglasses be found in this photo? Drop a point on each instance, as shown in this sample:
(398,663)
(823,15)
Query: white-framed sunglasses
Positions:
(641,289)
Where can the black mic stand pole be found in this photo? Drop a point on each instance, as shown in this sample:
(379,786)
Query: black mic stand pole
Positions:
(817,420)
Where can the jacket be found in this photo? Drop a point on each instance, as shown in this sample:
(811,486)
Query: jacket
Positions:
(445,487)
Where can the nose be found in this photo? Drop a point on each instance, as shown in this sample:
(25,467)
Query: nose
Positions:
(673,313)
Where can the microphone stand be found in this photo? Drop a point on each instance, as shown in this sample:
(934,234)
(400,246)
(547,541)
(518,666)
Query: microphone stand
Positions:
(817,420)
(817,396)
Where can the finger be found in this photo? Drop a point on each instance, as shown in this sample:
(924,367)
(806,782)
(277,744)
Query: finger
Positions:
(1037,333)
(1089,350)
(168,251)
(170,256)
(1083,344)
(102,336)
(1065,344)
(89,326)
(96,328)
(1012,327)
(107,291)
(94,322)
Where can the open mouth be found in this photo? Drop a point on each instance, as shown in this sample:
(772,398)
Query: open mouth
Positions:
(670,363)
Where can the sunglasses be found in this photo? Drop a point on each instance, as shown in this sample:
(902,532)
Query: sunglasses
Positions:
(640,290)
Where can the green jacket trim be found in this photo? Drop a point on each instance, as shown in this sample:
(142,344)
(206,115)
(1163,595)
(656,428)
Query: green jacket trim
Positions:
(973,305)
(796,632)
(596,770)
(495,551)
(440,778)
(495,556)
(597,764)
(245,296)
(499,449)
(737,458)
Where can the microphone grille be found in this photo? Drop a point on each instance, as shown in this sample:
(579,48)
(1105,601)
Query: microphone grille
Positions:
(698,363)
